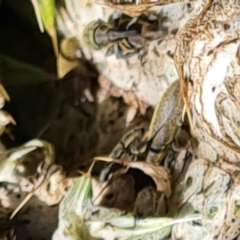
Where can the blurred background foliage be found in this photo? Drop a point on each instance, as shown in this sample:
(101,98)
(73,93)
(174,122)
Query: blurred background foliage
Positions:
(21,38)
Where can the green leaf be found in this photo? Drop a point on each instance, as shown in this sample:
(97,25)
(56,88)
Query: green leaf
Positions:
(45,14)
(212,212)
(77,228)
(208,187)
(237,208)
(76,219)
(14,72)
(76,197)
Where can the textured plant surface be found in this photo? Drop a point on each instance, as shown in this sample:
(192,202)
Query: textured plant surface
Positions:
(168,174)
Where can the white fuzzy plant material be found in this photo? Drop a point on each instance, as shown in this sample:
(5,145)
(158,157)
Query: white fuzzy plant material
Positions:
(211,43)
(149,80)
(207,60)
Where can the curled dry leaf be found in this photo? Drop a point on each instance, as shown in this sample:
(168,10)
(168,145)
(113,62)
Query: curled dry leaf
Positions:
(158,173)
(146,201)
(119,193)
(76,213)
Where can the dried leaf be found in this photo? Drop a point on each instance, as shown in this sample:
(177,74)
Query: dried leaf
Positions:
(145,204)
(119,193)
(158,173)
(78,218)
